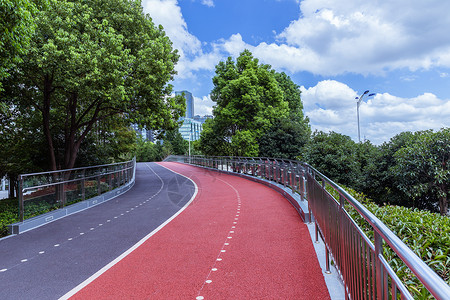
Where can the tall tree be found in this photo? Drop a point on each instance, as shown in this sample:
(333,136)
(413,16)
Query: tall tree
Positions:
(287,136)
(16,28)
(285,139)
(423,167)
(91,62)
(334,155)
(251,98)
(379,178)
(179,145)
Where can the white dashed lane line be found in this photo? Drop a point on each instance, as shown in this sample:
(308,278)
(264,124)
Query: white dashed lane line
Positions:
(226,243)
(92,228)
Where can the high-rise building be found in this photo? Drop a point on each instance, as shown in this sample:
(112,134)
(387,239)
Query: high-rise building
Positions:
(190,129)
(202,119)
(146,134)
(189,103)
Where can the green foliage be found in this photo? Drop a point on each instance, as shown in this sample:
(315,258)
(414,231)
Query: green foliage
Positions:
(172,144)
(243,143)
(378,175)
(422,167)
(116,143)
(285,139)
(146,151)
(179,145)
(426,233)
(8,214)
(410,170)
(94,62)
(251,98)
(334,155)
(16,28)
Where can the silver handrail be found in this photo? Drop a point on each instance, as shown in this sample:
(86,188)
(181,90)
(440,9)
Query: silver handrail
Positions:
(360,263)
(54,184)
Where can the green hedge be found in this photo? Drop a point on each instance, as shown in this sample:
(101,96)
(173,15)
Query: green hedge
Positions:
(426,233)
(9,208)
(8,214)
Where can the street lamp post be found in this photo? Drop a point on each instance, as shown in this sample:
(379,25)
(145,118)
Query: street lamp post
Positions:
(358,103)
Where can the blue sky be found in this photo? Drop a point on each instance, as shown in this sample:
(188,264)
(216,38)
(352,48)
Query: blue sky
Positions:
(334,50)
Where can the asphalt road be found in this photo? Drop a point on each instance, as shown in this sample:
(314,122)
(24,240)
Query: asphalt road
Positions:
(49,261)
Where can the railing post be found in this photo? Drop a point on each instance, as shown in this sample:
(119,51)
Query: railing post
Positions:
(327,260)
(20,194)
(62,189)
(83,188)
(378,266)
(317,232)
(109,180)
(99,189)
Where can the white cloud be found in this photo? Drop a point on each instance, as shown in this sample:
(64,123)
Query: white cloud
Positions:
(168,14)
(209,3)
(331,106)
(203,106)
(337,37)
(329,38)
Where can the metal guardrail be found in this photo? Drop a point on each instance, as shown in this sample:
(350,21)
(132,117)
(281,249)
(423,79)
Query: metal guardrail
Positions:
(41,192)
(365,272)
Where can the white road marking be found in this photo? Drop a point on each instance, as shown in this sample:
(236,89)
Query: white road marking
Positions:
(135,246)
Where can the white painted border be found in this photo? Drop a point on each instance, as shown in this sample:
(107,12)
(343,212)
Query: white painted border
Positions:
(135,246)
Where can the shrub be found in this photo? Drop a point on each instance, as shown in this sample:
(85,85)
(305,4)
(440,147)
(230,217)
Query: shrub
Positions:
(426,233)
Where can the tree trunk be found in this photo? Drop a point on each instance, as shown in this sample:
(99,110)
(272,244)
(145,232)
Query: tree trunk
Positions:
(46,121)
(443,204)
(12,187)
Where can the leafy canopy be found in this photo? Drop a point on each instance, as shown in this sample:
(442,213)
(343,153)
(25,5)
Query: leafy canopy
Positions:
(250,99)
(16,28)
(422,167)
(92,62)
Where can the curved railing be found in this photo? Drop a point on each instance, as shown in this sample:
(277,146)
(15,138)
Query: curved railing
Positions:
(365,272)
(41,192)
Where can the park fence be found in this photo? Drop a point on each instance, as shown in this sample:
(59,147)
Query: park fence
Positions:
(42,192)
(360,260)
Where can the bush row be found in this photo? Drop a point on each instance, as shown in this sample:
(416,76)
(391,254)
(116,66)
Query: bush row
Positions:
(426,233)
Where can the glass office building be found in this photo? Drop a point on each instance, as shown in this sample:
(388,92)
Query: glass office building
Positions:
(189,103)
(191,129)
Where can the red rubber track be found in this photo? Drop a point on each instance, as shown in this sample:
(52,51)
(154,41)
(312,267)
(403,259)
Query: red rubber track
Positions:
(237,240)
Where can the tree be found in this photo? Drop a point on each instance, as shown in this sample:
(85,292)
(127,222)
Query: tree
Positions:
(22,149)
(179,145)
(93,62)
(334,155)
(146,151)
(251,99)
(285,139)
(379,178)
(422,167)
(16,28)
(287,136)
